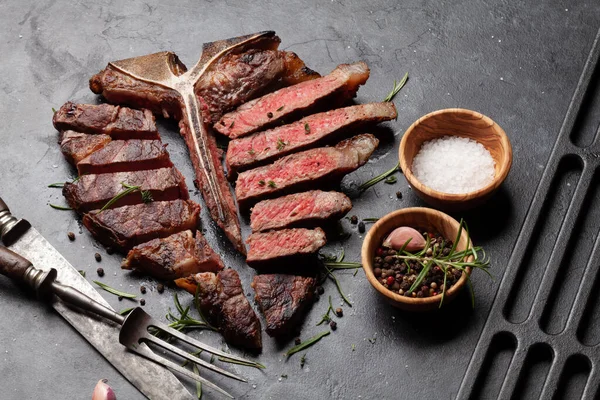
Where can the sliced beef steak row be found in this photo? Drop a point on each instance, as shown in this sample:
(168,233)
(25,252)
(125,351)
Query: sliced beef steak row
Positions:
(280,248)
(92,192)
(125,227)
(177,256)
(300,170)
(264,147)
(222,300)
(117,122)
(126,155)
(325,92)
(283,299)
(307,209)
(76,146)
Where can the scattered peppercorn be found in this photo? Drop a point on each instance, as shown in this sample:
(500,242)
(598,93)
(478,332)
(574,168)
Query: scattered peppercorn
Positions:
(270,114)
(333,325)
(120,298)
(98,257)
(71,236)
(100,272)
(320,290)
(339,312)
(354,220)
(142,302)
(143,289)
(361,227)
(160,287)
(399,194)
(297,341)
(109,250)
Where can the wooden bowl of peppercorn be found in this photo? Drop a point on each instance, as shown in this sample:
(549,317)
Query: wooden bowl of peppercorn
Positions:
(429,221)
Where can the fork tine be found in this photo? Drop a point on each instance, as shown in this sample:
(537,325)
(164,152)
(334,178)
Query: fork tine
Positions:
(190,357)
(198,344)
(148,353)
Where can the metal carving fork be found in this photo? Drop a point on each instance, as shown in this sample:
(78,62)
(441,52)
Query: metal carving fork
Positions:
(134,327)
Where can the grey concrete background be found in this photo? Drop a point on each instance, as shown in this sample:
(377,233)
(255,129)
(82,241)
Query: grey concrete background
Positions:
(515,61)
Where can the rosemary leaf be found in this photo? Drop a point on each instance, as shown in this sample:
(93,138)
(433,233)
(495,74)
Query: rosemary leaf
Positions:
(378,178)
(280,108)
(342,265)
(397,87)
(126,311)
(54,110)
(390,180)
(81,272)
(337,284)
(115,291)
(280,144)
(56,185)
(307,343)
(120,195)
(198,384)
(59,207)
(272,184)
(256,365)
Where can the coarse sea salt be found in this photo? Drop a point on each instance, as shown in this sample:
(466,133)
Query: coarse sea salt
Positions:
(453,164)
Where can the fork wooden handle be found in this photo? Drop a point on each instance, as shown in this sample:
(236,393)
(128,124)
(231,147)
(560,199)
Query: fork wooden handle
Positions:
(13,265)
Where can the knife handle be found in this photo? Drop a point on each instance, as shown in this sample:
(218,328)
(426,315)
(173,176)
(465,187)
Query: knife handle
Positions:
(13,265)
(11,228)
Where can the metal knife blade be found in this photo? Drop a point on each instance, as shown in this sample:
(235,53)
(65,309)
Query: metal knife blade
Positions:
(152,380)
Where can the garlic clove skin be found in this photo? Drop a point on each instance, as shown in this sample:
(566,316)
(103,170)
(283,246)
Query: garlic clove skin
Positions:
(103,392)
(399,236)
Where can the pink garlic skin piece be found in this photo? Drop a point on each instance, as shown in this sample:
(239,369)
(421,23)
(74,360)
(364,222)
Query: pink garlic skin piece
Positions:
(103,392)
(399,236)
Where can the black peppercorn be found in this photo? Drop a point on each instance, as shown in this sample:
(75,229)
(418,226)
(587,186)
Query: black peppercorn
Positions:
(142,302)
(100,272)
(120,298)
(270,115)
(71,236)
(160,287)
(143,289)
(361,227)
(98,257)
(333,325)
(399,194)
(354,220)
(339,312)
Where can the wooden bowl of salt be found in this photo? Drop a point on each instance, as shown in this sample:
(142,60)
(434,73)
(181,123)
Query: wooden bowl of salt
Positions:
(455,159)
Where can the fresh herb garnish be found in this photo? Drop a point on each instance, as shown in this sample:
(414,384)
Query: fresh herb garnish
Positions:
(337,285)
(379,178)
(54,110)
(302,360)
(59,207)
(261,182)
(231,126)
(198,383)
(353,347)
(251,152)
(184,321)
(280,144)
(146,195)
(372,340)
(272,184)
(126,311)
(306,343)
(115,291)
(280,108)
(81,272)
(56,185)
(284,376)
(326,318)
(397,87)
(246,364)
(306,128)
(390,180)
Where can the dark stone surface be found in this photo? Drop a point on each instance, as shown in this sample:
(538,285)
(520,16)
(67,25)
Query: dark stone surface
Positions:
(515,61)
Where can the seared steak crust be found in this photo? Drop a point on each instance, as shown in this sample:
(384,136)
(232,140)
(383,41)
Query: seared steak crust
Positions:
(276,247)
(126,155)
(177,256)
(222,300)
(264,147)
(328,91)
(306,209)
(76,146)
(125,227)
(308,168)
(117,122)
(283,300)
(91,192)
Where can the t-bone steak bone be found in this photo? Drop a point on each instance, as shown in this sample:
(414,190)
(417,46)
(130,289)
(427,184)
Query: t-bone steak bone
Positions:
(264,147)
(117,122)
(283,300)
(125,227)
(91,192)
(307,168)
(306,209)
(325,92)
(163,84)
(279,248)
(76,146)
(177,256)
(126,155)
(224,303)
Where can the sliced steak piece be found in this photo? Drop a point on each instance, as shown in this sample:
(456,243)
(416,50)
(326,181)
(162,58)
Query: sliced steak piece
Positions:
(281,247)
(177,256)
(124,227)
(91,192)
(222,300)
(308,168)
(283,299)
(264,147)
(76,146)
(126,155)
(117,122)
(306,209)
(340,85)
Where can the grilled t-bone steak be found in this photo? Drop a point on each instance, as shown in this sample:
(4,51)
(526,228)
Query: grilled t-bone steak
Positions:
(283,299)
(325,92)
(91,192)
(281,248)
(161,83)
(307,168)
(307,209)
(126,155)
(76,146)
(264,147)
(222,300)
(125,227)
(177,256)
(117,122)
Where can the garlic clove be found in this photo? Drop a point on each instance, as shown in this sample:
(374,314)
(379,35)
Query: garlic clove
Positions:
(103,392)
(401,235)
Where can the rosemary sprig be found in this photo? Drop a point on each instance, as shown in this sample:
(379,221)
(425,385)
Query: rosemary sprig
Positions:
(337,284)
(397,87)
(326,317)
(146,195)
(56,207)
(184,321)
(307,343)
(379,178)
(115,291)
(342,265)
